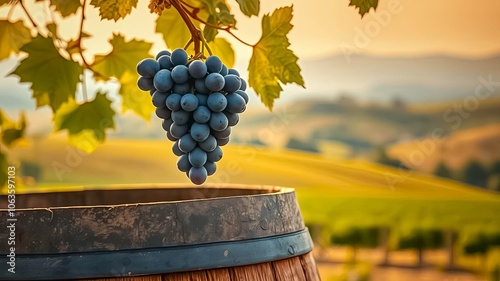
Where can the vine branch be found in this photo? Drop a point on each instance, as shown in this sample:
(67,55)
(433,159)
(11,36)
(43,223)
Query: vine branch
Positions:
(195,32)
(29,16)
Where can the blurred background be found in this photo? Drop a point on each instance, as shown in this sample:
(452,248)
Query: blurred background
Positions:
(393,146)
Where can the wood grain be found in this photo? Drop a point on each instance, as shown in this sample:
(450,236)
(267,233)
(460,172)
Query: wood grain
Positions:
(289,270)
(309,266)
(257,272)
(218,275)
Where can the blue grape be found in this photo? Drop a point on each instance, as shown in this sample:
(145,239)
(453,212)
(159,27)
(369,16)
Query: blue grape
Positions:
(163,112)
(152,91)
(163,81)
(222,142)
(214,65)
(200,87)
(224,70)
(243,95)
(222,134)
(163,53)
(197,157)
(231,83)
(178,131)
(197,69)
(209,144)
(159,99)
(235,103)
(232,118)
(145,84)
(175,148)
(181,89)
(198,175)
(202,114)
(211,167)
(243,84)
(187,143)
(179,57)
(173,102)
(217,102)
(147,68)
(189,102)
(183,163)
(199,132)
(218,121)
(214,82)
(215,155)
(166,124)
(181,117)
(170,137)
(233,71)
(165,62)
(180,74)
(202,99)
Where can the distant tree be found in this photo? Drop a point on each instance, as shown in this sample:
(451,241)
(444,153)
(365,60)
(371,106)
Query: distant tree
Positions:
(442,171)
(381,157)
(476,174)
(297,144)
(398,103)
(494,177)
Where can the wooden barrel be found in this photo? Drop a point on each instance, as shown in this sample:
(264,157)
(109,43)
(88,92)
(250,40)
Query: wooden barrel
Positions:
(158,232)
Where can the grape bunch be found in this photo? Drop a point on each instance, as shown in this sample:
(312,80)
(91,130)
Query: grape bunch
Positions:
(199,102)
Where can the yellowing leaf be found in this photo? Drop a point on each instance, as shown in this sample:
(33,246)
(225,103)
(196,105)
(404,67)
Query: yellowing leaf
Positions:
(364,6)
(66,7)
(3,170)
(223,49)
(173,29)
(124,56)
(51,76)
(272,61)
(114,9)
(12,131)
(249,7)
(13,35)
(86,122)
(133,98)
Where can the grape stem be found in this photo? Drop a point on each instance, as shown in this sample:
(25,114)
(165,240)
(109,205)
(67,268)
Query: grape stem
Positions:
(29,16)
(195,32)
(11,10)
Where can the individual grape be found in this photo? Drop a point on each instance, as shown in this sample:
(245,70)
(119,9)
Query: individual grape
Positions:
(200,87)
(182,88)
(224,70)
(170,137)
(163,53)
(163,113)
(215,155)
(187,143)
(218,121)
(180,74)
(216,102)
(145,84)
(173,102)
(222,142)
(183,163)
(197,69)
(179,57)
(178,131)
(152,91)
(202,114)
(231,83)
(165,62)
(197,157)
(162,80)
(159,99)
(214,65)
(176,150)
(147,68)
(209,144)
(243,95)
(189,102)
(243,85)
(198,175)
(214,82)
(233,71)
(181,117)
(235,103)
(166,124)
(232,118)
(202,99)
(199,132)
(222,134)
(211,167)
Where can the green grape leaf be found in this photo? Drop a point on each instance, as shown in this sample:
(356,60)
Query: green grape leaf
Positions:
(173,29)
(223,49)
(272,61)
(123,57)
(3,170)
(134,98)
(364,6)
(66,7)
(114,9)
(53,78)
(13,35)
(11,131)
(220,10)
(209,32)
(86,123)
(249,7)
